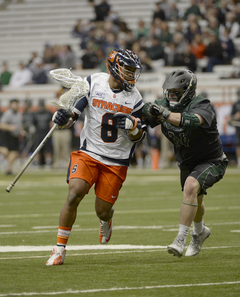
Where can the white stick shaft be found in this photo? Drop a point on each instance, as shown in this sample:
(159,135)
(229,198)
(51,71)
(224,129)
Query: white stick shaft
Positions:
(10,186)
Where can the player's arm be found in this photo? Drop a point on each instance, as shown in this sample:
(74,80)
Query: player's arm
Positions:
(158,114)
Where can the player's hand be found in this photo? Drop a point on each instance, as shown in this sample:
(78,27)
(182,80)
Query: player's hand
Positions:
(127,122)
(61,117)
(160,112)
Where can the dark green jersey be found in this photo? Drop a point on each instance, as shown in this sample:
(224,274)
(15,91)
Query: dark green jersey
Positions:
(198,145)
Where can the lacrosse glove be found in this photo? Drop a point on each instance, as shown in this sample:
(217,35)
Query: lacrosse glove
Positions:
(159,111)
(61,117)
(127,122)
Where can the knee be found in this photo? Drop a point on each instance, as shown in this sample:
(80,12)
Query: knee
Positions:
(191,188)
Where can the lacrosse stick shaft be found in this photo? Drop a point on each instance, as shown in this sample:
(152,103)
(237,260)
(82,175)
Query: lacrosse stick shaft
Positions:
(235,123)
(11,185)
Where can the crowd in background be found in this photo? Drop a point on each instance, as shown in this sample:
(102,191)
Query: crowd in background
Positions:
(207,29)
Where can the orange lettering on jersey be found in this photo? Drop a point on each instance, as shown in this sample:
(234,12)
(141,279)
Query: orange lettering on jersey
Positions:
(114,107)
(95,102)
(111,106)
(104,104)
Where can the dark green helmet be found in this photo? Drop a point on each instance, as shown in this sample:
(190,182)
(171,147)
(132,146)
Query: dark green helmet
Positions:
(185,81)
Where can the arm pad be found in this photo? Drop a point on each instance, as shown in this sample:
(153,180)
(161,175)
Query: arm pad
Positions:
(189,121)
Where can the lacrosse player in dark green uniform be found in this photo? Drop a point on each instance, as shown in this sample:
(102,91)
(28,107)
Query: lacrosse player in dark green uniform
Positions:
(189,122)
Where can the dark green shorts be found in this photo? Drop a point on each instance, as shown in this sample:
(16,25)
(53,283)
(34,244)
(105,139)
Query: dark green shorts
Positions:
(207,173)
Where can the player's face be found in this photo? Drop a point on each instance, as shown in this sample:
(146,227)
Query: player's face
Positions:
(175,94)
(129,73)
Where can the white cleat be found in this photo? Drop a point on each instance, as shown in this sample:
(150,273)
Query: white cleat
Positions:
(177,247)
(196,243)
(105,231)
(57,257)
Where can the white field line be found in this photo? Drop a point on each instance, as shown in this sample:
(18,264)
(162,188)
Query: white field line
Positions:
(128,247)
(119,212)
(27,248)
(120,289)
(49,229)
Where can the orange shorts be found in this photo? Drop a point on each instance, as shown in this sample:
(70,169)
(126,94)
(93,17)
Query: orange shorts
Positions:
(107,179)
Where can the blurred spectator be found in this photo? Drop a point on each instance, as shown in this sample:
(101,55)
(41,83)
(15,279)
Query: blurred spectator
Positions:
(228,46)
(33,56)
(222,10)
(27,122)
(155,50)
(21,76)
(101,10)
(42,121)
(186,59)
(39,71)
(213,25)
(214,52)
(78,30)
(145,61)
(231,24)
(89,59)
(180,42)
(11,124)
(67,57)
(158,13)
(192,29)
(193,9)
(235,116)
(110,43)
(5,74)
(173,13)
(165,36)
(198,47)
(50,56)
(142,30)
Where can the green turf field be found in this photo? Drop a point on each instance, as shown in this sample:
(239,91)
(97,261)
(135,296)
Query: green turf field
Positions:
(135,261)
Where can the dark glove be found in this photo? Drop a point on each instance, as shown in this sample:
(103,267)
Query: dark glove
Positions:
(127,122)
(61,117)
(159,111)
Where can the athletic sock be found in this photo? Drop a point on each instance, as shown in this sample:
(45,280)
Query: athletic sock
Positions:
(198,227)
(63,235)
(183,231)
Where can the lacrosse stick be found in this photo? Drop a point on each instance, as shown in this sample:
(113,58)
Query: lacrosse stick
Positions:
(65,77)
(78,90)
(234,123)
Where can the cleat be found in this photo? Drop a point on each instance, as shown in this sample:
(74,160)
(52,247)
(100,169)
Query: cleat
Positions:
(105,231)
(57,257)
(177,247)
(197,241)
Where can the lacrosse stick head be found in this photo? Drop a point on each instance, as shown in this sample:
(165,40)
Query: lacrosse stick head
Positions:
(65,77)
(79,90)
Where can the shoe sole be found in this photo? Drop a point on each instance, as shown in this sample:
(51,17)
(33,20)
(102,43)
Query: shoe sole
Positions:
(200,248)
(174,252)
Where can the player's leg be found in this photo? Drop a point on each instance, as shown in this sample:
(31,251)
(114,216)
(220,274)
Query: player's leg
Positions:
(188,212)
(11,158)
(104,211)
(200,231)
(79,167)
(107,189)
(77,190)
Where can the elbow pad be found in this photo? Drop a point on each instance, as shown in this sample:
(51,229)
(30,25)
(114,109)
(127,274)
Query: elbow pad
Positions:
(189,121)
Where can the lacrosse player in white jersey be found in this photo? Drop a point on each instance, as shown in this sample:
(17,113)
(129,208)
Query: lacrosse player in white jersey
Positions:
(112,127)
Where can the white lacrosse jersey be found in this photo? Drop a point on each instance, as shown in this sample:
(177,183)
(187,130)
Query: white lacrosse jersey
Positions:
(99,137)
